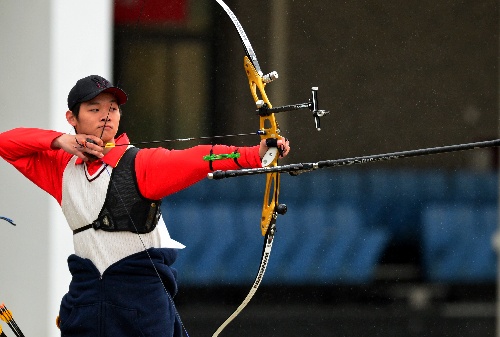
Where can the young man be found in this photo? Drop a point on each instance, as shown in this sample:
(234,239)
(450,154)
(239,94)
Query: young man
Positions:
(122,283)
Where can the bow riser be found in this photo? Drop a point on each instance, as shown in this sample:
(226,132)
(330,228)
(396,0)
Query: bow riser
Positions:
(269,126)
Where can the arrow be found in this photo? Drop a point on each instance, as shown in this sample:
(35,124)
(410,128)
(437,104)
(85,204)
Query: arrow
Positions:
(6,316)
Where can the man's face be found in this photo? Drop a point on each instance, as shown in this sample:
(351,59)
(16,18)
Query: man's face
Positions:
(99,117)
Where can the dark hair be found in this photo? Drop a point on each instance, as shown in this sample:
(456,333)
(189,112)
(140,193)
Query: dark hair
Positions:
(76,110)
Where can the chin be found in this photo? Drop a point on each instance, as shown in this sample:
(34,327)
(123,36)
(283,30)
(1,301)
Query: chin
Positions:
(108,136)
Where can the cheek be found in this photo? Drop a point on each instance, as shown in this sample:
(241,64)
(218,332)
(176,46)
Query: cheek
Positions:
(74,122)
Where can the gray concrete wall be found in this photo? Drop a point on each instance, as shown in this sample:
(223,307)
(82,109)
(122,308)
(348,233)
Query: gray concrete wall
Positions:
(45,47)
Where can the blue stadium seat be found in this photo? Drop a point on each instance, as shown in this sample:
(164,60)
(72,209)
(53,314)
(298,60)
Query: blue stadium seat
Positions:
(243,263)
(342,231)
(482,261)
(287,240)
(474,187)
(223,241)
(323,187)
(433,186)
(337,227)
(185,223)
(393,202)
(361,264)
(220,221)
(395,199)
(310,223)
(457,243)
(327,246)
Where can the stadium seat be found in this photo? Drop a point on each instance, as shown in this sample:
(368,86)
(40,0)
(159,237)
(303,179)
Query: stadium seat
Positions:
(457,243)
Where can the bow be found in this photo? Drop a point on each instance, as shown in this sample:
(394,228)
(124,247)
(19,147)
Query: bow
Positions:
(268,131)
(8,220)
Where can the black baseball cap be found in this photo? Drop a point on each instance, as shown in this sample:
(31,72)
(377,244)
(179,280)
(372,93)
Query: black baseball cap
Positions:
(89,87)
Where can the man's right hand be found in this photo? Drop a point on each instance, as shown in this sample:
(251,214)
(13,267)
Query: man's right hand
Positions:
(86,147)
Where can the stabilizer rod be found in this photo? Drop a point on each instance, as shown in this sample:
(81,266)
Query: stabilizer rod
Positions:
(296,169)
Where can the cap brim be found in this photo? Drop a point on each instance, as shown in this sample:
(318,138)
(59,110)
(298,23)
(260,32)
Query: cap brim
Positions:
(120,95)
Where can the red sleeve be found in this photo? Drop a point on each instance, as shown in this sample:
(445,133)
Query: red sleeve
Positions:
(161,172)
(29,151)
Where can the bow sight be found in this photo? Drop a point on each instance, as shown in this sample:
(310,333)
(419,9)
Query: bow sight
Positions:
(264,110)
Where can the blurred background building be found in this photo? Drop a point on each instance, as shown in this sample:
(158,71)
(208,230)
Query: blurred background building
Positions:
(405,247)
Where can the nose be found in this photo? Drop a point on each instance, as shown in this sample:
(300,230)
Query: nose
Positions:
(106,116)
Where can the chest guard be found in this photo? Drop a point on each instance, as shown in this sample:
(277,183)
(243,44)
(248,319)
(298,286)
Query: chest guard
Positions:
(125,209)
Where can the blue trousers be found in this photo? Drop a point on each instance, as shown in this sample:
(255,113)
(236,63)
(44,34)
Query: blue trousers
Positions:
(128,300)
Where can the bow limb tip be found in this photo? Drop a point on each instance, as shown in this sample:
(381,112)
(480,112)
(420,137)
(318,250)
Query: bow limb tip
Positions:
(8,220)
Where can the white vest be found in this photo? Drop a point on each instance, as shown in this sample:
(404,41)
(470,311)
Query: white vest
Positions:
(83,196)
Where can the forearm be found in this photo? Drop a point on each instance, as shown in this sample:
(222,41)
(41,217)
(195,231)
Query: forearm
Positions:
(161,172)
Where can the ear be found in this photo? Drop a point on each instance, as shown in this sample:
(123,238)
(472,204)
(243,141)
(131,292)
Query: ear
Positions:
(70,117)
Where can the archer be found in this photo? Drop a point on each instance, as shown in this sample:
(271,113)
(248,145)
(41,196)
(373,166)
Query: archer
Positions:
(123,283)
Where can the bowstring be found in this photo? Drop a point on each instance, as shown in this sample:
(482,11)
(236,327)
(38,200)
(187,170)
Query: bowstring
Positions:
(119,194)
(257,133)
